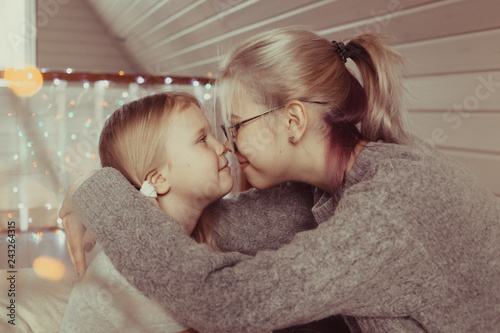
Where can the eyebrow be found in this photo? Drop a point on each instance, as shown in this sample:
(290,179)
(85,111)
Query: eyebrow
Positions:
(199,132)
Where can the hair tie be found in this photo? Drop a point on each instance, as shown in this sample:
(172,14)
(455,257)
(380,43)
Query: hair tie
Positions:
(341,50)
(148,190)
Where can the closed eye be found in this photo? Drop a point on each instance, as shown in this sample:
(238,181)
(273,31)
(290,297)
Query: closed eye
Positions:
(203,139)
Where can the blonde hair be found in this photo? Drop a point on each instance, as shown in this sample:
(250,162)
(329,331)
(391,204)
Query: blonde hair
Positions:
(133,141)
(277,66)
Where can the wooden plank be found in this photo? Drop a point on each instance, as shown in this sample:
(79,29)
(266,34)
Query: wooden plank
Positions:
(154,18)
(82,63)
(75,37)
(468,92)
(478,51)
(121,8)
(448,13)
(71,9)
(222,40)
(107,50)
(471,131)
(485,166)
(72,24)
(434,20)
(314,16)
(126,28)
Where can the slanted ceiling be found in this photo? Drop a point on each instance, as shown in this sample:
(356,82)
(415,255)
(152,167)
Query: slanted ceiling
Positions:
(187,37)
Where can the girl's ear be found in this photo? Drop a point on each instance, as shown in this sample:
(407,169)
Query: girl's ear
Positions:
(296,120)
(159,179)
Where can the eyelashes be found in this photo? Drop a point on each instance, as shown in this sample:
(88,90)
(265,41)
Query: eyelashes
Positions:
(203,139)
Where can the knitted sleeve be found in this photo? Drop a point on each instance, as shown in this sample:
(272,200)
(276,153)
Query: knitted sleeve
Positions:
(242,224)
(323,271)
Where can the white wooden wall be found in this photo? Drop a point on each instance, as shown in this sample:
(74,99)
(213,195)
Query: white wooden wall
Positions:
(455,80)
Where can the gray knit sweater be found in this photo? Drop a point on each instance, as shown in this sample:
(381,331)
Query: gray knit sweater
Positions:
(413,245)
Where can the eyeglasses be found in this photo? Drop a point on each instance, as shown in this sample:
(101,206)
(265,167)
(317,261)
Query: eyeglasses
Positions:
(233,129)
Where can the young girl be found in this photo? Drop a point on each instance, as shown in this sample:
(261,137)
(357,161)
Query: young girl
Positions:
(164,146)
(407,240)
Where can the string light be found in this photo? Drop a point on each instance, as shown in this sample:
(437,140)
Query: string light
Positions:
(50,100)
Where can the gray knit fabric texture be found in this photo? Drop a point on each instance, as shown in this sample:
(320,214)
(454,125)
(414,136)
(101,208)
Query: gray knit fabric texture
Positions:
(413,245)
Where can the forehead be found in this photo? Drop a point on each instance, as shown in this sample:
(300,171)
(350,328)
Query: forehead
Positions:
(187,121)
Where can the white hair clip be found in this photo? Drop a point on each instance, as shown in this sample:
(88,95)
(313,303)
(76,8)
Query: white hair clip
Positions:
(148,190)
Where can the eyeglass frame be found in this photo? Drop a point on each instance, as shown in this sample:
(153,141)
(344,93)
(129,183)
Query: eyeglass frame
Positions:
(238,125)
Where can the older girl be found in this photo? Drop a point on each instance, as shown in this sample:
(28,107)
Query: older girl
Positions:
(408,241)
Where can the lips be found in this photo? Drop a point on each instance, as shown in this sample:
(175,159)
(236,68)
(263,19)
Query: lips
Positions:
(226,167)
(243,165)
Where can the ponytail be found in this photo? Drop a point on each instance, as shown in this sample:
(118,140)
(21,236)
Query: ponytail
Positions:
(293,63)
(383,87)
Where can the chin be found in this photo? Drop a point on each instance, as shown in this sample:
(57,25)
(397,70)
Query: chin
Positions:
(262,184)
(228,188)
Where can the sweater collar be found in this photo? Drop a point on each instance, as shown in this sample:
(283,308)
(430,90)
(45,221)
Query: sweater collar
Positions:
(324,203)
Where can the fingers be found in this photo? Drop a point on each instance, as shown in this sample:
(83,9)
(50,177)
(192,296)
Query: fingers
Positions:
(88,241)
(65,209)
(75,231)
(69,253)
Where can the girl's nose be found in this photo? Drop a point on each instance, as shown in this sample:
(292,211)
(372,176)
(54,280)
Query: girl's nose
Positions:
(220,148)
(228,146)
